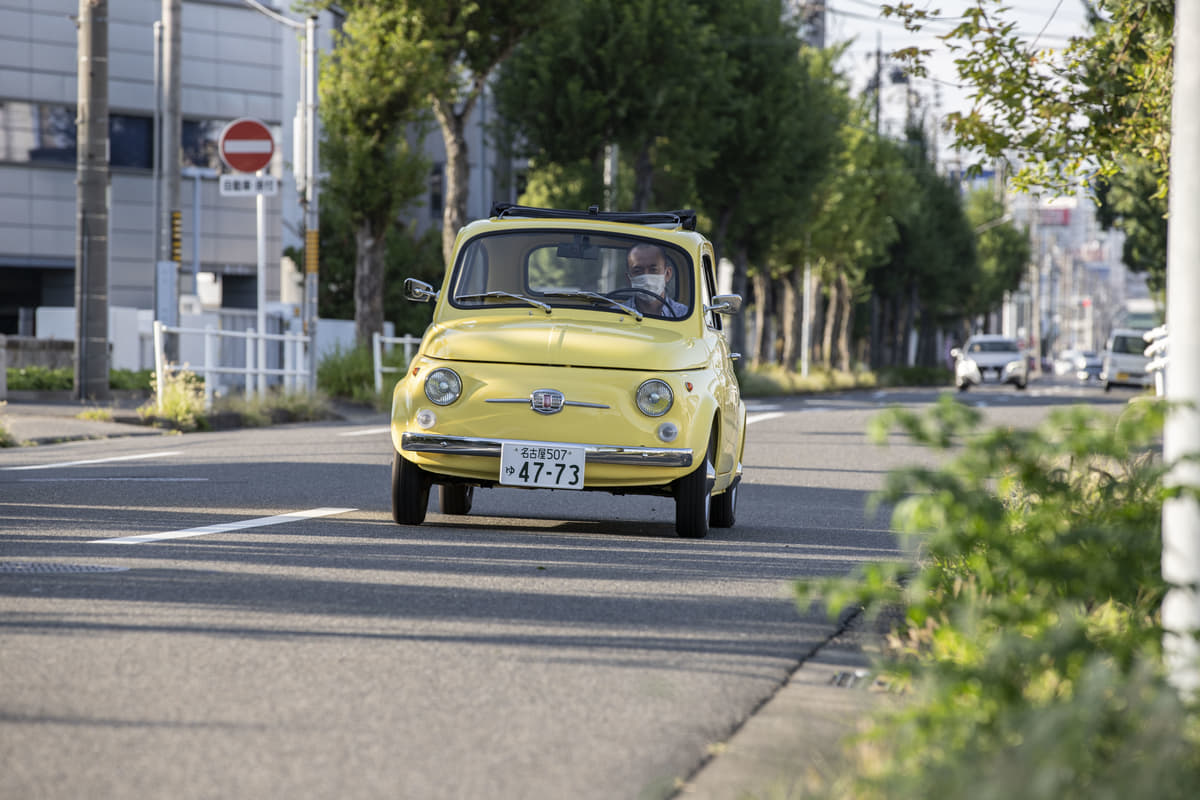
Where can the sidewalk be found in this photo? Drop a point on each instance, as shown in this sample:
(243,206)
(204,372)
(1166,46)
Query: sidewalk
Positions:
(793,745)
(51,423)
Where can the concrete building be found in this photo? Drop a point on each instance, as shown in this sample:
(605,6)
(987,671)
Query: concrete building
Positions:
(236,62)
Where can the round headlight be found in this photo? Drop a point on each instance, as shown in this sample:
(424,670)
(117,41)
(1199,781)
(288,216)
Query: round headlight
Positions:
(443,386)
(654,398)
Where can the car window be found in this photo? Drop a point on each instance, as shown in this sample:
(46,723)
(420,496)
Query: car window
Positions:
(1132,345)
(566,269)
(992,346)
(708,288)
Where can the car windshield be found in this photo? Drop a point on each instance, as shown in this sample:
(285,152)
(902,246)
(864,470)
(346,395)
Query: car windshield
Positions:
(993,346)
(1133,345)
(560,269)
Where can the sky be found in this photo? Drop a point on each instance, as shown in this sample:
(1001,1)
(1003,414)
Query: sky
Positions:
(1049,23)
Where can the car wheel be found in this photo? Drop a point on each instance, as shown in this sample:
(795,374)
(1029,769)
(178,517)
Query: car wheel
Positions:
(410,491)
(962,387)
(1107,386)
(692,503)
(1021,385)
(722,512)
(455,498)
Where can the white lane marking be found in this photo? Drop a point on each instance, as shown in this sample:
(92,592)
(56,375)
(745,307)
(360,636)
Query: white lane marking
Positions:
(367,432)
(763,406)
(225,527)
(753,418)
(134,457)
(118,480)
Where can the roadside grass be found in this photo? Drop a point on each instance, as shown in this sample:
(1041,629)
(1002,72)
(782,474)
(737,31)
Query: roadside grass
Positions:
(6,438)
(773,380)
(62,379)
(96,414)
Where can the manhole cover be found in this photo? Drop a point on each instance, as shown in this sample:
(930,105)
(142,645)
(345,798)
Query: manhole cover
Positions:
(32,567)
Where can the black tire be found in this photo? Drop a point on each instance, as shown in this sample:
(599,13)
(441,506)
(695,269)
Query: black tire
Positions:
(455,498)
(722,511)
(692,503)
(410,491)
(1107,386)
(962,387)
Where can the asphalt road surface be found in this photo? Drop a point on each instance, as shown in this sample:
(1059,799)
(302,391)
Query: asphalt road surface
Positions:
(235,614)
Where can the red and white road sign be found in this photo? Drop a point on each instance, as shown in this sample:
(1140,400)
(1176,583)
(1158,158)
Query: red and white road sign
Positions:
(246,145)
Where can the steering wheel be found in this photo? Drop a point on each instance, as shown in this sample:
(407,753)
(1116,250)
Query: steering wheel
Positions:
(632,292)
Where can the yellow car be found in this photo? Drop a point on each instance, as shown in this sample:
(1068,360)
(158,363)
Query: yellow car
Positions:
(578,351)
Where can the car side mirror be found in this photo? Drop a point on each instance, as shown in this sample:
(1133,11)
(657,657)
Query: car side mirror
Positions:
(725,304)
(418,291)
(956,352)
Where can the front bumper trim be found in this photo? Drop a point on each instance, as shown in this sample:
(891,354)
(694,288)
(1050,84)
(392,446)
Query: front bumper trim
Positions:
(595,453)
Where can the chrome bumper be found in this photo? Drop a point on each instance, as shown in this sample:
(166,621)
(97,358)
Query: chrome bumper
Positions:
(595,453)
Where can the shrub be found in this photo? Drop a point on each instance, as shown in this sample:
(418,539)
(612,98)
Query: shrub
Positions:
(182,401)
(350,374)
(41,379)
(1030,644)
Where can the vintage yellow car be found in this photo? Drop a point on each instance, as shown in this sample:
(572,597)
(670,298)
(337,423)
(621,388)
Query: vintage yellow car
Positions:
(573,350)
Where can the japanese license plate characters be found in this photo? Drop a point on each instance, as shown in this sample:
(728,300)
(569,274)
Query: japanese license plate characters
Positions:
(544,466)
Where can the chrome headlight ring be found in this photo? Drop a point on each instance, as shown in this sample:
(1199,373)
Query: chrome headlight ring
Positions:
(654,397)
(443,386)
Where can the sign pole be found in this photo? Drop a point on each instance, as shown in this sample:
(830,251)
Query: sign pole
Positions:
(260,206)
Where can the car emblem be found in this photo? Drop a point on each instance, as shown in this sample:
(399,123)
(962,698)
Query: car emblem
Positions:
(546,401)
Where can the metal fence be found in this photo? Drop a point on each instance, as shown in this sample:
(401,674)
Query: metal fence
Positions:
(1156,351)
(291,373)
(378,340)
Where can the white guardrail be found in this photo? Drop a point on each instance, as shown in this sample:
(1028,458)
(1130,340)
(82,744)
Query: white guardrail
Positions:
(294,370)
(378,340)
(1156,351)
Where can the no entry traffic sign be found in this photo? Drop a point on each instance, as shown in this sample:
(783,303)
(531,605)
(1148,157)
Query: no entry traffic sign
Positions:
(246,145)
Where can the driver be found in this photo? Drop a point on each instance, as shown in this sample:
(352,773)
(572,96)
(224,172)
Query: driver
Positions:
(648,271)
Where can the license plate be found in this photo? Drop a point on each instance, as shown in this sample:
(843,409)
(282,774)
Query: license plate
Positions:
(547,466)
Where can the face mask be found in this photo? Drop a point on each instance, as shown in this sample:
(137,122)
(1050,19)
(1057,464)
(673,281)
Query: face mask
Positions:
(650,283)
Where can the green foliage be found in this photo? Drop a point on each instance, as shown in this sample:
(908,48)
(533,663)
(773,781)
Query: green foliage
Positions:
(181,399)
(40,379)
(1076,112)
(1030,642)
(276,407)
(350,375)
(771,380)
(131,380)
(1003,254)
(6,438)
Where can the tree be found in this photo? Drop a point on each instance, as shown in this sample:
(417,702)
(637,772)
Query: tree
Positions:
(605,74)
(783,112)
(1076,113)
(372,90)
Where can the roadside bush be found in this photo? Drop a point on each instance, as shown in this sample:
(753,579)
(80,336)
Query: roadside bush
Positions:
(182,401)
(350,375)
(62,379)
(1029,651)
(772,380)
(41,379)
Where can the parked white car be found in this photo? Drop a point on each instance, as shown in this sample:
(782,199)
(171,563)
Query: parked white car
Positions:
(1125,360)
(990,355)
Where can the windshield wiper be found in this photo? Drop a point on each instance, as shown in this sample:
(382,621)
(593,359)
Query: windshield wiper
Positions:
(509,295)
(602,298)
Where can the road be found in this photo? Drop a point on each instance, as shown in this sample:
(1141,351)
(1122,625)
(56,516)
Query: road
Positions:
(235,614)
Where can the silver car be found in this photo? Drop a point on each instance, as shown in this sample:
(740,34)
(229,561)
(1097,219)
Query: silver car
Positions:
(987,355)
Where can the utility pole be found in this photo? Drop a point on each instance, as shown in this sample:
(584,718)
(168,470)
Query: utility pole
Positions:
(170,226)
(91,230)
(1181,433)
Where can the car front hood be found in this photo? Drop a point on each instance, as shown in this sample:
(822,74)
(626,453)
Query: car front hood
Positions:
(627,345)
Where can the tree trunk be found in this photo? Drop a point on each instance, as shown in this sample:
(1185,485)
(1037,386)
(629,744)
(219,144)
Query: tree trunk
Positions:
(790,318)
(737,326)
(368,283)
(458,169)
(760,318)
(831,314)
(643,179)
(846,298)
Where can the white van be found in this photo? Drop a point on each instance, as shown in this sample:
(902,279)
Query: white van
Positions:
(1125,360)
